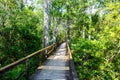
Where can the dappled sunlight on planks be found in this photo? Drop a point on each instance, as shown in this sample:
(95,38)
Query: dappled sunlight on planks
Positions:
(54,67)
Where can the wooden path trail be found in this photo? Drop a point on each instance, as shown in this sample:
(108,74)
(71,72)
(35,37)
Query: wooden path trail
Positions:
(55,68)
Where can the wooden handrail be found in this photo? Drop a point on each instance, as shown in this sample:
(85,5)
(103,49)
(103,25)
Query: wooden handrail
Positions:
(71,64)
(5,69)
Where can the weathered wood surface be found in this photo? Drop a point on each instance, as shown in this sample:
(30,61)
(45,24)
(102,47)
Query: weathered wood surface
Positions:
(55,68)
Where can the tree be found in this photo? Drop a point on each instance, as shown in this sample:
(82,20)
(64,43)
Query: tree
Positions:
(46,23)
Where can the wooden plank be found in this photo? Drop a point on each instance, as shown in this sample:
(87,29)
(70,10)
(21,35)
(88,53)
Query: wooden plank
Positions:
(54,67)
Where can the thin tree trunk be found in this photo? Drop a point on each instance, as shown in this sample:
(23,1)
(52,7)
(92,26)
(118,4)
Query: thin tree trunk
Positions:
(55,31)
(83,32)
(55,34)
(89,32)
(68,30)
(83,29)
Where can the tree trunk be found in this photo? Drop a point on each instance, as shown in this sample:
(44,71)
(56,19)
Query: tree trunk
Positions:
(46,23)
(55,34)
(55,30)
(90,25)
(83,32)
(68,30)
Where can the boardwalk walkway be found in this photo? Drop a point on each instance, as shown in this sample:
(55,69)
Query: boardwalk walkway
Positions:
(55,68)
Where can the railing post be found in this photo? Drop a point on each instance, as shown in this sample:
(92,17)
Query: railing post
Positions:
(40,61)
(45,54)
(55,46)
(27,69)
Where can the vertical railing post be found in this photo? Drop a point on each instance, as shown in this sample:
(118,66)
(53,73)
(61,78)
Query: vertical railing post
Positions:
(55,46)
(40,61)
(27,69)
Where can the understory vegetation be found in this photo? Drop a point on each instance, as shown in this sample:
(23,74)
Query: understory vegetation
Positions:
(96,59)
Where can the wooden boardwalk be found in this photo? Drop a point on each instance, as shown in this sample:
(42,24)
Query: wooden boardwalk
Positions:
(55,68)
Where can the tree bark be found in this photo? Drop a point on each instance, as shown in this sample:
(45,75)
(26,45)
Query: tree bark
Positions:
(83,32)
(46,22)
(55,34)
(90,25)
(68,30)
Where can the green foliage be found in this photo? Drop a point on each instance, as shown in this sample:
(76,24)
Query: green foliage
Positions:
(98,58)
(21,33)
(94,59)
(88,58)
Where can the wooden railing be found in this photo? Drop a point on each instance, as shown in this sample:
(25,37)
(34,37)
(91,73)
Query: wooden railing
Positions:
(73,72)
(26,63)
